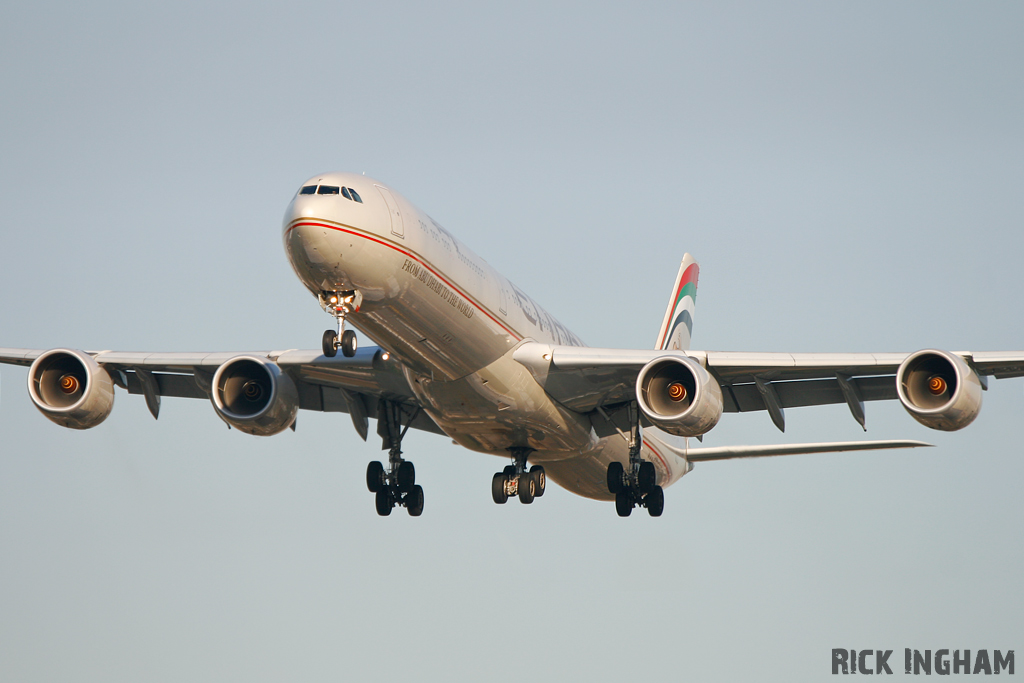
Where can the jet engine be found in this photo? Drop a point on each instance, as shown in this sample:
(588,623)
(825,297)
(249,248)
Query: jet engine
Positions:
(70,388)
(679,396)
(939,390)
(255,396)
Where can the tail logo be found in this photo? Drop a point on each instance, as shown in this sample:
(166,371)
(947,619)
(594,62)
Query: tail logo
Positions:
(678,324)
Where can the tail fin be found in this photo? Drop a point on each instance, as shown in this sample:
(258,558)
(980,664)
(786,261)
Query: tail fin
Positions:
(678,323)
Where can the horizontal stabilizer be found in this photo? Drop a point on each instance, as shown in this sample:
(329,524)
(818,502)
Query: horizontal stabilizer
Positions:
(728,452)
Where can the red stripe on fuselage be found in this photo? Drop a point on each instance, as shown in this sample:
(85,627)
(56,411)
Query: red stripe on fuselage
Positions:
(662,459)
(413,257)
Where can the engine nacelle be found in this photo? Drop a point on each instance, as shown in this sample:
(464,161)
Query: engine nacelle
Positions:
(939,390)
(70,388)
(253,395)
(679,396)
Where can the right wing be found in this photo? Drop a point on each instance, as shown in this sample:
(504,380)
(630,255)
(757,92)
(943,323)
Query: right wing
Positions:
(358,385)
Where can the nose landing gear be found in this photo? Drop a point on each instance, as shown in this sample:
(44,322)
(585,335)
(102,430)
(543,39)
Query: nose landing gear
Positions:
(637,486)
(340,304)
(397,485)
(515,480)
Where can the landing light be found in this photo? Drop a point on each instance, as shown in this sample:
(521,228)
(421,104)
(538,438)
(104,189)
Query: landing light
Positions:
(385,355)
(676,391)
(936,385)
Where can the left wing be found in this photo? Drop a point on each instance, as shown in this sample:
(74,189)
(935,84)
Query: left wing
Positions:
(584,379)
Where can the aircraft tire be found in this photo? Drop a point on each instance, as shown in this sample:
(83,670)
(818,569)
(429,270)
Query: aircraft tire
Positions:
(383,502)
(498,488)
(349,343)
(655,501)
(647,479)
(623,503)
(414,501)
(406,476)
(375,476)
(615,472)
(527,488)
(539,476)
(328,343)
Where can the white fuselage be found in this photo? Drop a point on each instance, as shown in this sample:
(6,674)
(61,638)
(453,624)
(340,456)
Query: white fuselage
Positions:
(453,322)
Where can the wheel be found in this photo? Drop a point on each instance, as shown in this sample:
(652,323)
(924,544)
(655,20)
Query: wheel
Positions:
(655,501)
(509,471)
(349,343)
(414,501)
(498,488)
(646,477)
(623,503)
(539,476)
(375,480)
(383,502)
(527,488)
(406,476)
(615,477)
(328,343)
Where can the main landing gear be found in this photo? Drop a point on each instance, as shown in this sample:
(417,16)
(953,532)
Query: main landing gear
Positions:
(637,485)
(397,485)
(515,480)
(340,304)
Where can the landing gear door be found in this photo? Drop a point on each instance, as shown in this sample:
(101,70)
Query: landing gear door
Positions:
(397,224)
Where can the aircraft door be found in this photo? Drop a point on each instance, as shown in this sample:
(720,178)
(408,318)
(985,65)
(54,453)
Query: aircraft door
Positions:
(397,224)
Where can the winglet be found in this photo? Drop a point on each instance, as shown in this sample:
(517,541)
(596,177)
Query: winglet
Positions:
(678,323)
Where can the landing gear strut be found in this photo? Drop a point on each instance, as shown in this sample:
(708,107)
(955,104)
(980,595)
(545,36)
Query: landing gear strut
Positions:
(637,485)
(397,485)
(340,304)
(515,480)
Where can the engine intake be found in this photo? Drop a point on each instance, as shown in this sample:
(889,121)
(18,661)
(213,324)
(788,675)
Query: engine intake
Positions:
(70,388)
(255,396)
(679,396)
(939,390)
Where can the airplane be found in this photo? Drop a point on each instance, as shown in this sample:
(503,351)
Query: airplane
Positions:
(464,353)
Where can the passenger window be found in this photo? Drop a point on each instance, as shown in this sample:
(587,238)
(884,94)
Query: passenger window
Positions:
(308,189)
(345,194)
(327,189)
(355,196)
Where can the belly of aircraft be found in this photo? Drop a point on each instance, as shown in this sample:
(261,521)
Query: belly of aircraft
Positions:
(501,406)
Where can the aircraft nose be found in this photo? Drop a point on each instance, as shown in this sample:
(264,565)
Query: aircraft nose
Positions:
(301,207)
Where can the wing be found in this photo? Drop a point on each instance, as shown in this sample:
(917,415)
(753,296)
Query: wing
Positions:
(356,385)
(584,379)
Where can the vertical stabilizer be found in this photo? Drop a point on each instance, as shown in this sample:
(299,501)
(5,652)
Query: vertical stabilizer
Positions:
(678,323)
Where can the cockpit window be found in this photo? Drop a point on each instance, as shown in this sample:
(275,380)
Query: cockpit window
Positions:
(346,192)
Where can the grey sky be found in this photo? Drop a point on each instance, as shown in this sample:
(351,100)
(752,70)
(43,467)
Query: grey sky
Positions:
(848,176)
